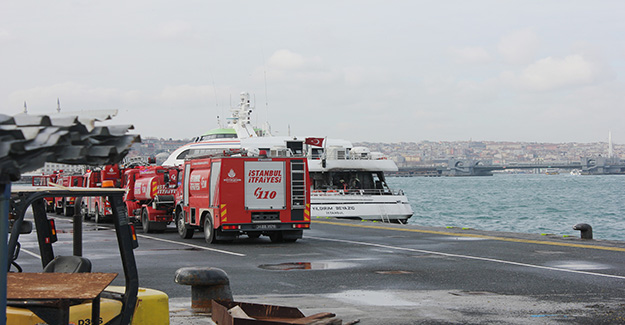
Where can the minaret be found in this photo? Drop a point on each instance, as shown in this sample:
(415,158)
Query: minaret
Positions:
(610,149)
(58,105)
(25,108)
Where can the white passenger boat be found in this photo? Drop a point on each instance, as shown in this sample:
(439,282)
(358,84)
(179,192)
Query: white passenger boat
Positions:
(346,181)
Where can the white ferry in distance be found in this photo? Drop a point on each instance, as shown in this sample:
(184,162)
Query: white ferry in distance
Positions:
(346,181)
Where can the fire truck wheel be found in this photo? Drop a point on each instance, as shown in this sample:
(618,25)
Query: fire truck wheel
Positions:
(68,211)
(84,212)
(145,222)
(209,232)
(96,217)
(276,237)
(58,210)
(183,231)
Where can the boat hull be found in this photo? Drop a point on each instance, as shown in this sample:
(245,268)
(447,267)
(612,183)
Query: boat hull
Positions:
(390,208)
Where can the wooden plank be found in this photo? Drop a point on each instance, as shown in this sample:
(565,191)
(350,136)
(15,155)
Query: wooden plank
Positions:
(311,318)
(36,286)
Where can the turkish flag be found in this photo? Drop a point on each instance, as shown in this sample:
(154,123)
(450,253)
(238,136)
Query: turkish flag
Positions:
(314,141)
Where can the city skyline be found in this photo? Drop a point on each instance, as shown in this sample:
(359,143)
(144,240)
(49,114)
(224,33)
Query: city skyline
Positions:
(434,150)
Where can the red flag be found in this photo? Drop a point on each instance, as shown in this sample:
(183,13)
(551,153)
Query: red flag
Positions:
(314,141)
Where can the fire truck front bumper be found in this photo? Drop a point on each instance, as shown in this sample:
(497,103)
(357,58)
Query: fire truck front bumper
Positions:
(281,226)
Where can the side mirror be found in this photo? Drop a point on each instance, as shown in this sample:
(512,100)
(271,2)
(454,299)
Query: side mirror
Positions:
(26,227)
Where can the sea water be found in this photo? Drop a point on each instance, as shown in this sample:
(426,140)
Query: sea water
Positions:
(524,203)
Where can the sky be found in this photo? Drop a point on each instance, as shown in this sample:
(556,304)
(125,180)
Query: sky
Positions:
(377,71)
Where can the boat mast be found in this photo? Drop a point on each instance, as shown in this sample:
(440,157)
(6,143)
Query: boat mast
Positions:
(240,120)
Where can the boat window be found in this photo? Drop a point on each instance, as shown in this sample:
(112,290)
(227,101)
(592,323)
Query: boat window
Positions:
(183,154)
(204,152)
(378,181)
(316,153)
(218,136)
(343,180)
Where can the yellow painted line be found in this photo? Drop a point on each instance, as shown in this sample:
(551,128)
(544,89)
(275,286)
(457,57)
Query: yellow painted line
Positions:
(445,233)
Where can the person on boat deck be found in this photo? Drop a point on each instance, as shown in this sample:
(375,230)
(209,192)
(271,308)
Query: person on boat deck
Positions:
(343,184)
(356,183)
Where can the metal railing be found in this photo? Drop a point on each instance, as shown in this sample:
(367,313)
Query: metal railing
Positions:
(356,192)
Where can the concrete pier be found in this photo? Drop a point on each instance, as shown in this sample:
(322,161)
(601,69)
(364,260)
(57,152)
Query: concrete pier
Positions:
(387,273)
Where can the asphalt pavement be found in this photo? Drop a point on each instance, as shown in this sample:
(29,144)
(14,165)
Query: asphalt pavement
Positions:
(382,273)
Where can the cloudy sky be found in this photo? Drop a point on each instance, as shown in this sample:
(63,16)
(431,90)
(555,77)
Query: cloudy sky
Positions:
(382,71)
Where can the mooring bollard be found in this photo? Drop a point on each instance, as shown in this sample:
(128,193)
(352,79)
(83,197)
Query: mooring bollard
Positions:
(586,230)
(206,283)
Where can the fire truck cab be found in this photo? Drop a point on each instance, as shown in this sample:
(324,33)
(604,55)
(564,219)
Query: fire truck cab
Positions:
(65,205)
(46,180)
(150,195)
(229,196)
(99,207)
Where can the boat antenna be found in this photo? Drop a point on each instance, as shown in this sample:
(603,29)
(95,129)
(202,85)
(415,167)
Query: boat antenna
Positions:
(255,122)
(265,76)
(217,108)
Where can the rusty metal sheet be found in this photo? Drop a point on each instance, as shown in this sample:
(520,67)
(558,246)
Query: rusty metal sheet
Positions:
(266,314)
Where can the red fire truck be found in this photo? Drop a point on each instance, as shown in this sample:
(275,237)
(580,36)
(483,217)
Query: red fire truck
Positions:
(150,195)
(46,180)
(229,196)
(99,207)
(65,205)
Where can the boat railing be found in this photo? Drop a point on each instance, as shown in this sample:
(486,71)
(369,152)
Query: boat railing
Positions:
(320,156)
(356,192)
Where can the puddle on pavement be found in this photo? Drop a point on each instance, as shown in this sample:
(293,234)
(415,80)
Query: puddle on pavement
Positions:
(549,252)
(305,266)
(579,265)
(393,272)
(371,298)
(472,293)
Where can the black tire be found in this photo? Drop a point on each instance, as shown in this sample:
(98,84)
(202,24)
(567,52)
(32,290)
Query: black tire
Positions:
(84,211)
(145,222)
(59,210)
(276,237)
(96,216)
(49,207)
(68,211)
(209,231)
(184,231)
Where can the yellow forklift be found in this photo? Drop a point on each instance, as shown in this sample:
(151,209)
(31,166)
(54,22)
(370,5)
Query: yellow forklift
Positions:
(66,291)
